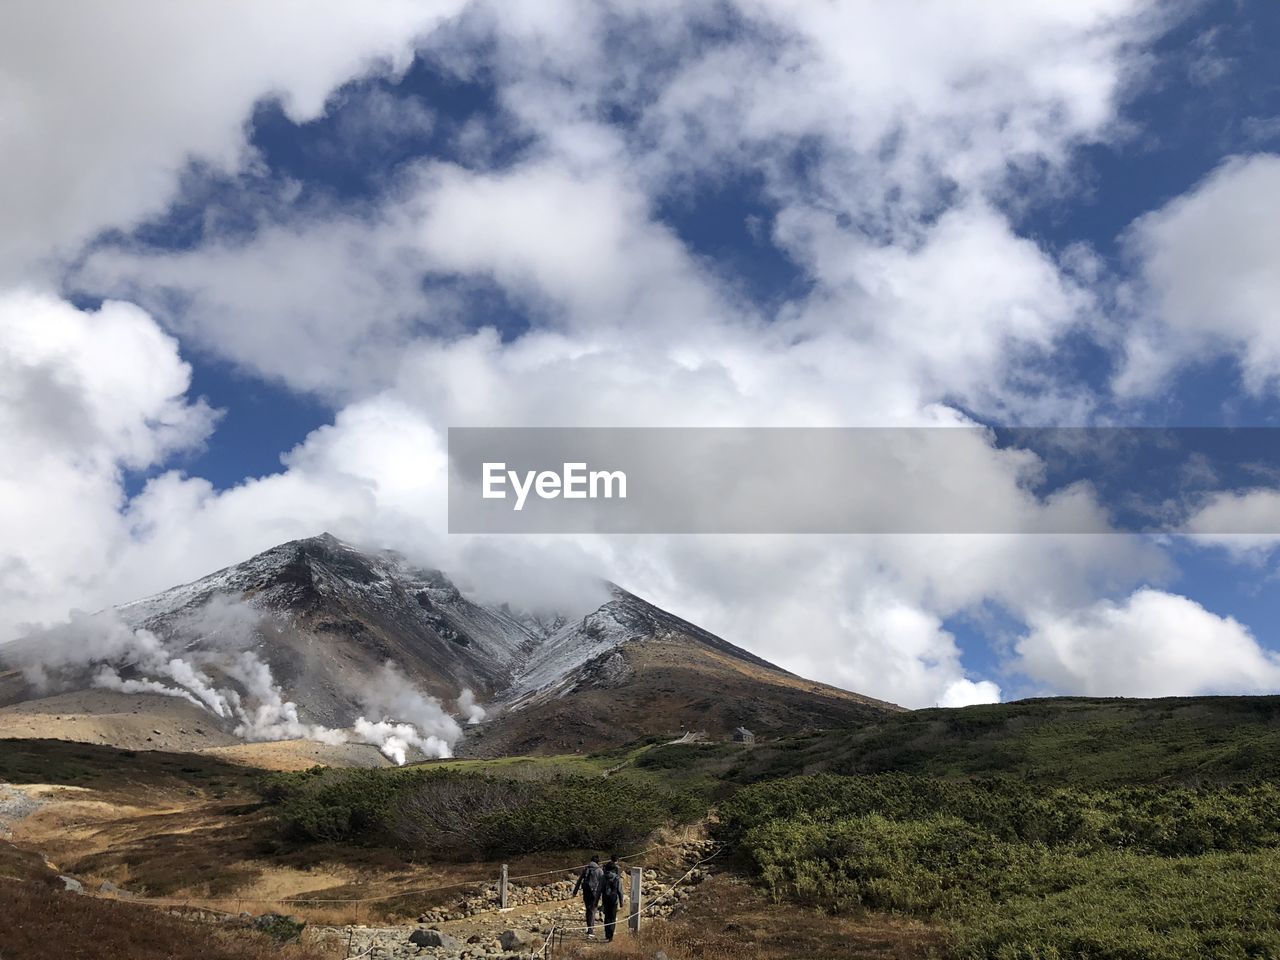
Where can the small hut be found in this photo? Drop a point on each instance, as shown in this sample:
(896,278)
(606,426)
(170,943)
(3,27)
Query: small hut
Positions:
(743,735)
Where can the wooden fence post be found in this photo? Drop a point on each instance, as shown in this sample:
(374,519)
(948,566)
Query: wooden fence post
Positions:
(502,889)
(637,902)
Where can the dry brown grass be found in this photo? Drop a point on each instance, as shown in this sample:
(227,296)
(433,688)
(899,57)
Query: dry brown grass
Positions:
(40,923)
(729,920)
(18,864)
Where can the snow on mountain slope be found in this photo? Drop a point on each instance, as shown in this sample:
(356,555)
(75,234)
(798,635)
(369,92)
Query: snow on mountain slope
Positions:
(319,620)
(624,619)
(302,577)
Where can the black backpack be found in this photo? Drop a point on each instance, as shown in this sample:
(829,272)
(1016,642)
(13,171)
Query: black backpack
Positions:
(591,877)
(612,886)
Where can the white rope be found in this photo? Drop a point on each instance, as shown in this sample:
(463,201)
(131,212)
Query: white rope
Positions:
(157,901)
(653,902)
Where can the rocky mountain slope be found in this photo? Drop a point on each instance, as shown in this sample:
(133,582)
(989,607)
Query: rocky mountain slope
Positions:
(324,618)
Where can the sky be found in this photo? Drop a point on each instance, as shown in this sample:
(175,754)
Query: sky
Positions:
(256,259)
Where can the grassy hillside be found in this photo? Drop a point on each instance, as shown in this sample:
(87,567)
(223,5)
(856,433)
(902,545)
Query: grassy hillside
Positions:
(101,767)
(1072,741)
(1015,870)
(1098,829)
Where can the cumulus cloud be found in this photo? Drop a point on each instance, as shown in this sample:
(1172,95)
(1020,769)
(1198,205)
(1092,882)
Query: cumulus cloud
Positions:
(1242,522)
(888,192)
(888,645)
(1209,281)
(322,302)
(964,693)
(991,86)
(1151,644)
(140,90)
(84,396)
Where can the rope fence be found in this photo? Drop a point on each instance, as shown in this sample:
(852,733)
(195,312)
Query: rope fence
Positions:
(555,935)
(561,930)
(302,901)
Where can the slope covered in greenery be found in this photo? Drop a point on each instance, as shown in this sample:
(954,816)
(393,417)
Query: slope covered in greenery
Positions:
(1073,741)
(1039,830)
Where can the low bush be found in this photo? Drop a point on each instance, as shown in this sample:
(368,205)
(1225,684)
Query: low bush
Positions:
(454,814)
(1165,821)
(1022,874)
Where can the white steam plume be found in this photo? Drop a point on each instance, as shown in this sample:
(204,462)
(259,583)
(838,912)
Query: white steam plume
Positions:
(411,718)
(396,739)
(471,711)
(108,679)
(273,717)
(103,643)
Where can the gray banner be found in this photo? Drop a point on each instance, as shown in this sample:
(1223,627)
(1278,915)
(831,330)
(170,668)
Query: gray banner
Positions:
(857,480)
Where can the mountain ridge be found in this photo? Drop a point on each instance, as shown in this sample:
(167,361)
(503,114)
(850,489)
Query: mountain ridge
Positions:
(324,618)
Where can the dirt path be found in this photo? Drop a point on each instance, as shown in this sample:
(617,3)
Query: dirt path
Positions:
(481,935)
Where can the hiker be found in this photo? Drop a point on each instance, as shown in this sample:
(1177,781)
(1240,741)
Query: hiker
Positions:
(611,894)
(589,882)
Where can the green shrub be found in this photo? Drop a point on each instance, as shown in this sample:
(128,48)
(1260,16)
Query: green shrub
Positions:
(685,756)
(458,814)
(280,928)
(1018,873)
(332,805)
(1166,821)
(575,813)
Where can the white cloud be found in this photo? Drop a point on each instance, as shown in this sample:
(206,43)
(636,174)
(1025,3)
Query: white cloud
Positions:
(1244,523)
(894,104)
(83,396)
(1152,644)
(1208,262)
(964,693)
(322,303)
(103,110)
(960,309)
(888,181)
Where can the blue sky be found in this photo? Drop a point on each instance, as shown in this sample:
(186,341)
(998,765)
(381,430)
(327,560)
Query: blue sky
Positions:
(613,214)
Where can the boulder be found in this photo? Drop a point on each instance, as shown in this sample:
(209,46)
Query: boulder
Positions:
(433,938)
(72,884)
(514,940)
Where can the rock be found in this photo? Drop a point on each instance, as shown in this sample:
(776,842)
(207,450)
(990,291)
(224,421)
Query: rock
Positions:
(513,940)
(661,955)
(111,890)
(72,884)
(434,938)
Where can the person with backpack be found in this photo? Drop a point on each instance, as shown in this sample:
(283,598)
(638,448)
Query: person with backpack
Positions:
(611,894)
(590,880)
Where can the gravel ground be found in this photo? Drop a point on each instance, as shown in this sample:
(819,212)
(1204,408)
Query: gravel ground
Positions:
(15,804)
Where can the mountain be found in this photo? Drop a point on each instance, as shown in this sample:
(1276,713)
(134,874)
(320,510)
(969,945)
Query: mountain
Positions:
(324,617)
